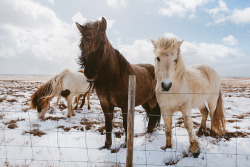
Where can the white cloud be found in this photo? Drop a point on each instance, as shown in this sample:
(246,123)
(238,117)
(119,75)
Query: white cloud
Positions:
(141,51)
(221,8)
(51,1)
(78,17)
(230,40)
(117,4)
(240,16)
(222,14)
(170,35)
(208,52)
(37,32)
(181,8)
(218,56)
(110,23)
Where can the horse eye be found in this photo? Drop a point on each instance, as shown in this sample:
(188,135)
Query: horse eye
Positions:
(158,59)
(175,60)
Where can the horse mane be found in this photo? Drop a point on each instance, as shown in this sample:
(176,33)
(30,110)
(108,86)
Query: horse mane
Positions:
(50,89)
(34,99)
(123,63)
(166,44)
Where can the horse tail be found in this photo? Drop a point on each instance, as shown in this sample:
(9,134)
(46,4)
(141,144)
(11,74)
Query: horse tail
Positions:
(218,121)
(47,91)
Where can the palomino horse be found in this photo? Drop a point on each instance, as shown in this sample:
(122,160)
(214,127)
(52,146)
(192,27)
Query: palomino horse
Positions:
(181,88)
(109,71)
(67,84)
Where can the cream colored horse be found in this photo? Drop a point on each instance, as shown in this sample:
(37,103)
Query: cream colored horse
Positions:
(181,88)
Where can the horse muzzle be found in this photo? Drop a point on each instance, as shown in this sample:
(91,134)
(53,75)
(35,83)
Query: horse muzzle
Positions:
(166,86)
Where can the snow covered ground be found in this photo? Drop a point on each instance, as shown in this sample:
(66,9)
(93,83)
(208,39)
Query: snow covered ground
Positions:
(60,141)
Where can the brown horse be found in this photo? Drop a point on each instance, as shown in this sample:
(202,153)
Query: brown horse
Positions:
(109,71)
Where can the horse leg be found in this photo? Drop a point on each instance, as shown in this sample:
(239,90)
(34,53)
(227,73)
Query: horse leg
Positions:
(76,100)
(204,113)
(69,106)
(88,100)
(155,116)
(83,100)
(108,114)
(124,116)
(194,143)
(58,98)
(212,107)
(148,110)
(167,117)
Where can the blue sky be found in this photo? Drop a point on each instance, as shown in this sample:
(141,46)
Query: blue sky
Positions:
(40,37)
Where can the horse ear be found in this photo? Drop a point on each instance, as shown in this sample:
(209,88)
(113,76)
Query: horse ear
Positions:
(104,24)
(153,42)
(180,42)
(80,27)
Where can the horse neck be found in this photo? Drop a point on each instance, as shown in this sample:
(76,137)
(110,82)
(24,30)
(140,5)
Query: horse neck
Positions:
(111,67)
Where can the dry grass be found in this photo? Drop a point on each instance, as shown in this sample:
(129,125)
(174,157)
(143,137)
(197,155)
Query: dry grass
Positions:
(2,99)
(35,132)
(54,118)
(67,129)
(12,124)
(11,100)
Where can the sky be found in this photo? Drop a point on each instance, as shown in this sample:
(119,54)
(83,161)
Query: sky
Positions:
(40,37)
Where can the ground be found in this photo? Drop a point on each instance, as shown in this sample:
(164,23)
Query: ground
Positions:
(60,141)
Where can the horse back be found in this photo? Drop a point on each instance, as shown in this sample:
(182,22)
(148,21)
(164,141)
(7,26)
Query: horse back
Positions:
(206,76)
(145,82)
(150,68)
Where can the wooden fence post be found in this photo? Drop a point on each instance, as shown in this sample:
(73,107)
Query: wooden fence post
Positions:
(130,127)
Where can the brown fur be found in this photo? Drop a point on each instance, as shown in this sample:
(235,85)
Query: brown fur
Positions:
(38,99)
(110,72)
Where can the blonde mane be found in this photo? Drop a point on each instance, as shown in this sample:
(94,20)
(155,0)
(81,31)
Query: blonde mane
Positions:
(166,44)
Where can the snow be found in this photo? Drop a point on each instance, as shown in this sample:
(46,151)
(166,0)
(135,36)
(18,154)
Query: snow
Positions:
(76,141)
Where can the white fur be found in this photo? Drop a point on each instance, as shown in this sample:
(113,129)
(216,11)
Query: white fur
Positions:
(75,82)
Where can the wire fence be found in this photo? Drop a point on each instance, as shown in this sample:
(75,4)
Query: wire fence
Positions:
(76,141)
(177,154)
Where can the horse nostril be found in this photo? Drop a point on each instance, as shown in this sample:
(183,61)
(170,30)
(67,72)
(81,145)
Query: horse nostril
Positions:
(166,87)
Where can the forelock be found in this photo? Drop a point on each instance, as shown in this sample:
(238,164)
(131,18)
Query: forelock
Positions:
(91,29)
(165,44)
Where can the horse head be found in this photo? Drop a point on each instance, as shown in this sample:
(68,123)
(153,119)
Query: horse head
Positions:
(167,58)
(39,103)
(92,47)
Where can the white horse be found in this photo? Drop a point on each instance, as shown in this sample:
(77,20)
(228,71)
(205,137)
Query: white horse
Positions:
(181,88)
(67,84)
